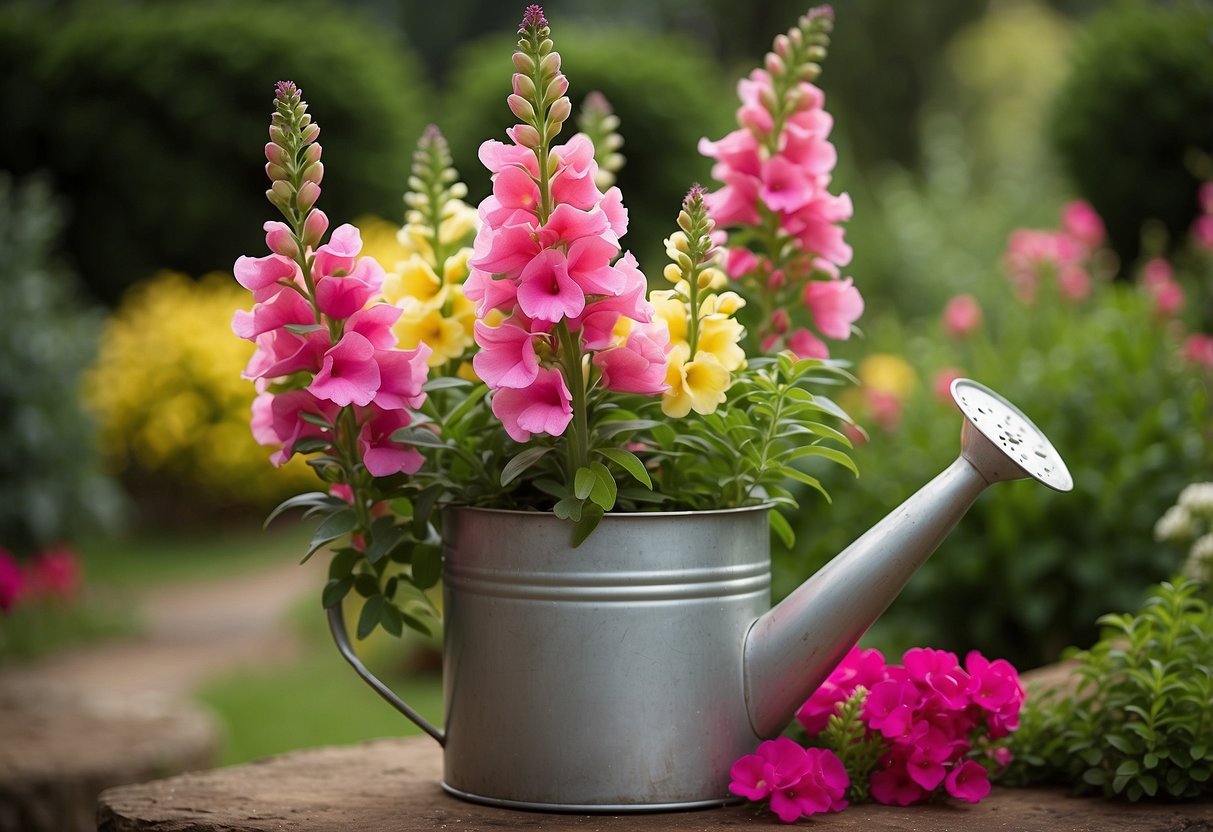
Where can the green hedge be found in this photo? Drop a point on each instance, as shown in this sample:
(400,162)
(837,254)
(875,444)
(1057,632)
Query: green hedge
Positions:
(1135,107)
(151,121)
(666,91)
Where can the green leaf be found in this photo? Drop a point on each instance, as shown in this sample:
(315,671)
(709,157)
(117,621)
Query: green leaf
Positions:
(337,524)
(551,487)
(371,615)
(385,536)
(470,401)
(832,454)
(583,483)
(415,623)
(591,515)
(604,489)
(445,383)
(423,507)
(366,585)
(607,430)
(342,563)
(335,591)
(391,619)
(427,565)
(304,329)
(419,438)
(311,445)
(522,461)
(568,508)
(781,527)
(629,462)
(311,498)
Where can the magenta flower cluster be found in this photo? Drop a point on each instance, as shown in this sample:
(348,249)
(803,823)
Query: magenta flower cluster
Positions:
(1064,254)
(938,720)
(797,781)
(547,261)
(52,574)
(324,343)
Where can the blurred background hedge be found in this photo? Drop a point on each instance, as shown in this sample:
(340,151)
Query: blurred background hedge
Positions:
(150,119)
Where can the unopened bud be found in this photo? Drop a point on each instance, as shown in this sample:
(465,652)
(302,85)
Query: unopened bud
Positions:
(558,87)
(276,154)
(562,108)
(809,72)
(775,65)
(672,273)
(524,63)
(684,261)
(277,134)
(314,173)
(816,53)
(782,45)
(523,85)
(526,135)
(550,65)
(311,133)
(712,278)
(522,108)
(796,36)
(275,172)
(280,194)
(314,228)
(309,192)
(279,239)
(685,222)
(767,98)
(312,154)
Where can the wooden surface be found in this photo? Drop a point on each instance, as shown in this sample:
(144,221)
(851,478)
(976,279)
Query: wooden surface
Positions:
(394,785)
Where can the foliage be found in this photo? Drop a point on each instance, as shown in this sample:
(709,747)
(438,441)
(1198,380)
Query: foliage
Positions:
(51,486)
(666,92)
(174,411)
(156,111)
(1134,115)
(1140,723)
(1027,570)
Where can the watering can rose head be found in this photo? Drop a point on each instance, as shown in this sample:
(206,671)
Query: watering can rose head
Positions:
(512,355)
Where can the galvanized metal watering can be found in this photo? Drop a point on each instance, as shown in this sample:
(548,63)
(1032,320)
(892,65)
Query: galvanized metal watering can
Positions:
(628,674)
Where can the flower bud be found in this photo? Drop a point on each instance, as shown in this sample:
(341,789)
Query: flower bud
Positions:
(312,154)
(522,108)
(526,135)
(275,172)
(280,193)
(309,192)
(562,108)
(280,240)
(277,135)
(672,273)
(558,87)
(276,154)
(775,65)
(524,63)
(311,133)
(314,173)
(314,228)
(782,44)
(523,85)
(550,65)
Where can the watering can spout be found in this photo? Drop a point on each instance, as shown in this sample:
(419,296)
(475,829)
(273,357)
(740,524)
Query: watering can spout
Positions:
(791,649)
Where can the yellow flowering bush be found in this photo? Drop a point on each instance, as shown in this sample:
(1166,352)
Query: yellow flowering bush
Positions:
(167,391)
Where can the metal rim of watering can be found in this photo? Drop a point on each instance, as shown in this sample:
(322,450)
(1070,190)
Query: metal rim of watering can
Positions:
(1009,429)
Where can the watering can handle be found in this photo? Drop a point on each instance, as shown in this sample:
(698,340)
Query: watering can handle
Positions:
(342,639)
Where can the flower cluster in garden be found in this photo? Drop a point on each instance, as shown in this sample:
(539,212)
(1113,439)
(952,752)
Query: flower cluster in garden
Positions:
(51,575)
(797,781)
(1069,256)
(906,731)
(547,261)
(427,283)
(326,367)
(704,336)
(785,243)
(1189,523)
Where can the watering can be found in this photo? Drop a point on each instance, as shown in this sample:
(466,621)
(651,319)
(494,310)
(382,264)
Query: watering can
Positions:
(629,674)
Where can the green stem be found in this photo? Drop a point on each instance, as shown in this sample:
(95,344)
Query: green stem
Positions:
(570,359)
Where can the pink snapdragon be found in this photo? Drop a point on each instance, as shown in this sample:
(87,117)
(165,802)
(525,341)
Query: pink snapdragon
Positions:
(961,316)
(938,723)
(547,255)
(12,581)
(1067,255)
(55,573)
(1198,350)
(1158,280)
(776,169)
(797,781)
(317,314)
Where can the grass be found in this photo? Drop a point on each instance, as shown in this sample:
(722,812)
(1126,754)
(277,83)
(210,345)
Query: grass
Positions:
(161,558)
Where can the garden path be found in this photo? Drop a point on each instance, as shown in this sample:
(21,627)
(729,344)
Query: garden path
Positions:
(190,633)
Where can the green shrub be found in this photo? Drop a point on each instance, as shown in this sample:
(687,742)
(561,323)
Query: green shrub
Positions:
(1027,570)
(1140,723)
(1134,109)
(149,119)
(666,92)
(51,487)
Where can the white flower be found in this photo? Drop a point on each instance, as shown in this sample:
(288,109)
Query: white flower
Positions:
(1175,526)
(1197,498)
(1199,564)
